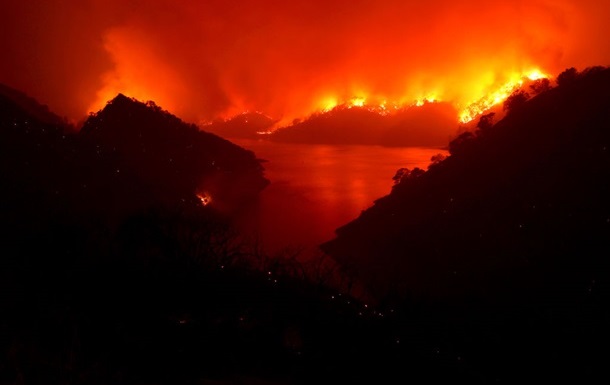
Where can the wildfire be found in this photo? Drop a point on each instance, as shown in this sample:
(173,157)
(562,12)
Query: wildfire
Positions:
(329,103)
(495,95)
(427,99)
(498,95)
(205,198)
(379,105)
(536,75)
(358,102)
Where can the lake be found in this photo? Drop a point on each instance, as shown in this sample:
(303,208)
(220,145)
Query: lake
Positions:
(316,188)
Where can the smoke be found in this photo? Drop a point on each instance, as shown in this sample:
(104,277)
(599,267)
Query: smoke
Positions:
(204,60)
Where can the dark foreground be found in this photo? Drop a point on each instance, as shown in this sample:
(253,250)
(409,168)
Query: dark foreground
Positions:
(112,271)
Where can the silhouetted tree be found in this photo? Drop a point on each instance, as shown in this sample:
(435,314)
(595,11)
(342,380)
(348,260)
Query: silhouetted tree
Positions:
(486,121)
(400,173)
(405,173)
(515,100)
(458,144)
(592,70)
(567,77)
(438,158)
(540,85)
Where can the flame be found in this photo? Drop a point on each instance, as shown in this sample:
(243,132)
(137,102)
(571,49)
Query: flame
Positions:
(489,96)
(358,101)
(328,104)
(207,60)
(426,99)
(205,198)
(498,95)
(536,75)
(472,86)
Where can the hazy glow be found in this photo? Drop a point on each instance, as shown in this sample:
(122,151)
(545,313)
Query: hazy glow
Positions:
(204,60)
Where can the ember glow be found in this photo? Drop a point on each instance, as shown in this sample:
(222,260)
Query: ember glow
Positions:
(204,198)
(216,59)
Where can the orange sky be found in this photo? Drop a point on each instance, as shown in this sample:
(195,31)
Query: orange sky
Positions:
(202,60)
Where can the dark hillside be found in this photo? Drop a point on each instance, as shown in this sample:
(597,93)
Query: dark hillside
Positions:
(112,270)
(500,253)
(30,106)
(524,196)
(171,158)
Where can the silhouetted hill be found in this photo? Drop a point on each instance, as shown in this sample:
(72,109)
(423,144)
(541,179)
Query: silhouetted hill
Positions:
(31,107)
(36,160)
(172,158)
(523,204)
(431,124)
(127,157)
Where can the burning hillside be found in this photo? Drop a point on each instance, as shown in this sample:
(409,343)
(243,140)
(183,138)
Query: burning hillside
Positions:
(211,60)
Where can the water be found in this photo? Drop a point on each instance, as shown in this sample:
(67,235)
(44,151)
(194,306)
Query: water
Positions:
(316,188)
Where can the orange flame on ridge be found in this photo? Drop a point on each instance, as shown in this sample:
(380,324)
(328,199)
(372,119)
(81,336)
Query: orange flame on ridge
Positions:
(493,96)
(499,95)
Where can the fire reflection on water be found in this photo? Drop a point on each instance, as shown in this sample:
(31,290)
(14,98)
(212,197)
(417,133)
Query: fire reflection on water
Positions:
(316,188)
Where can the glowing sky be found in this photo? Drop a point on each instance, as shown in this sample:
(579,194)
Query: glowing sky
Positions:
(205,59)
